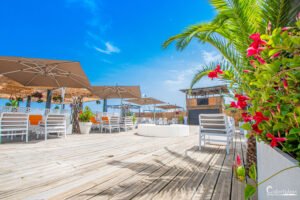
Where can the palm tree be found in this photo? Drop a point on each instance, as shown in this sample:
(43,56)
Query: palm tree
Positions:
(229,33)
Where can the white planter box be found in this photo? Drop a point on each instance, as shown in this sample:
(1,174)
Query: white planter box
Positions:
(285,185)
(85,127)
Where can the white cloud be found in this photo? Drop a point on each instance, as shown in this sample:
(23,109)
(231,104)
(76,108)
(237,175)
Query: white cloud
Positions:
(182,78)
(109,49)
(210,56)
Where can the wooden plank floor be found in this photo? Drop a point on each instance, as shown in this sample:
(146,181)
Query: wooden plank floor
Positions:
(118,166)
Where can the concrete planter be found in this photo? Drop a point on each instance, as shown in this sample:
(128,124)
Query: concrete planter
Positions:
(85,127)
(285,185)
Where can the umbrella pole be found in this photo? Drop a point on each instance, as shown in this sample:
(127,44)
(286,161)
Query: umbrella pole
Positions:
(49,97)
(63,91)
(28,101)
(154,114)
(104,105)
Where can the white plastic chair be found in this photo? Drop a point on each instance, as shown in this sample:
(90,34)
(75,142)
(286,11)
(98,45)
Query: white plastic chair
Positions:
(14,123)
(54,123)
(127,123)
(112,123)
(215,125)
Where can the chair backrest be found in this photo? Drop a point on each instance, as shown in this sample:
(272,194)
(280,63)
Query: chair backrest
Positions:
(215,123)
(14,121)
(127,120)
(114,120)
(55,119)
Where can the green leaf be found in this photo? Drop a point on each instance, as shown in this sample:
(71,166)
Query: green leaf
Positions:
(246,126)
(250,190)
(295,131)
(273,51)
(241,173)
(252,172)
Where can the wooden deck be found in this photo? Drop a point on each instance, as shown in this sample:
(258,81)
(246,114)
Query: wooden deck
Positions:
(118,166)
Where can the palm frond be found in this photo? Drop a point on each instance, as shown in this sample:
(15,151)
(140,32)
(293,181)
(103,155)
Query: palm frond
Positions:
(205,69)
(279,12)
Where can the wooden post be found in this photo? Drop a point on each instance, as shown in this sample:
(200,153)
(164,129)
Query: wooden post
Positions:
(76,108)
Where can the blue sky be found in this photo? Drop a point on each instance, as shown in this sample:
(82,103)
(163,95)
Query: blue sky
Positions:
(116,41)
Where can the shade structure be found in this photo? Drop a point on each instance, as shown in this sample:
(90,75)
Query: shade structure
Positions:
(116,92)
(168,107)
(9,88)
(69,93)
(43,72)
(145,101)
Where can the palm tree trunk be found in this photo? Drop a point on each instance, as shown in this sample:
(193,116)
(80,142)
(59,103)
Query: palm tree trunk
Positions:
(251,151)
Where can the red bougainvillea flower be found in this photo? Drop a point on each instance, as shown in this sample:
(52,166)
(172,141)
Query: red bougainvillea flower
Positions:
(212,75)
(256,129)
(259,117)
(242,104)
(218,69)
(241,97)
(251,51)
(238,160)
(257,41)
(275,140)
(260,59)
(285,83)
(233,105)
(275,55)
(246,117)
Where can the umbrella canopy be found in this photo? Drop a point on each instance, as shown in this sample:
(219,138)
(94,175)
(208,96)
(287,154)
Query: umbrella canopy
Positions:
(69,93)
(10,88)
(44,73)
(168,107)
(145,101)
(117,92)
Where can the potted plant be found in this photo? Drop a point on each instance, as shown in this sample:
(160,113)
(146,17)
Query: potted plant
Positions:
(38,96)
(13,103)
(85,123)
(180,119)
(56,109)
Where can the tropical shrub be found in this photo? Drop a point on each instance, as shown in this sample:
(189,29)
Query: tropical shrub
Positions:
(85,115)
(272,87)
(268,93)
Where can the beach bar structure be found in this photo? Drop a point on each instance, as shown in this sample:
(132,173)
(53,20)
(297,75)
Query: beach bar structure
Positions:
(206,100)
